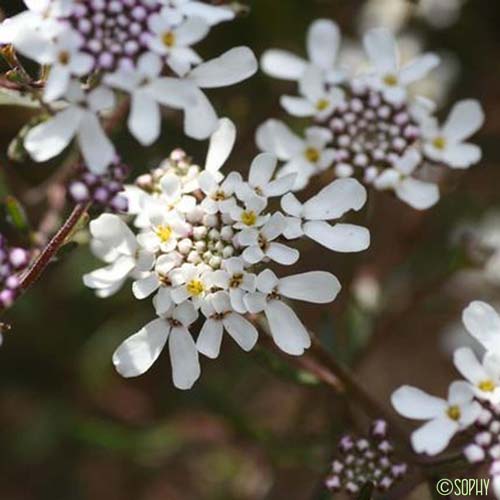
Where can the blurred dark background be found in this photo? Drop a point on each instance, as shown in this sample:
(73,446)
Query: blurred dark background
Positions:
(251,429)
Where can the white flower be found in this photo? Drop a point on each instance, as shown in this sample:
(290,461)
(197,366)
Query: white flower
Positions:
(332,202)
(287,331)
(389,77)
(79,118)
(445,417)
(191,282)
(148,90)
(114,243)
(220,316)
(483,323)
(219,197)
(418,194)
(318,101)
(138,353)
(304,157)
(485,376)
(260,179)
(261,245)
(66,61)
(323,42)
(446,144)
(250,216)
(174,41)
(232,67)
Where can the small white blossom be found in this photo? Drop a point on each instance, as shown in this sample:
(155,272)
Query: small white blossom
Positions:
(445,417)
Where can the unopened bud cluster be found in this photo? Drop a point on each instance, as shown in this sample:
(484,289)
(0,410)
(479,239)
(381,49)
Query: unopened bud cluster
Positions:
(13,260)
(364,460)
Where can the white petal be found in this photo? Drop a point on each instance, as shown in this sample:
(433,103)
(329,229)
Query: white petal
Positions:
(255,302)
(312,85)
(184,358)
(241,330)
(282,254)
(411,402)
(282,64)
(145,287)
(231,67)
(418,68)
(221,144)
(253,254)
(418,194)
(274,227)
(434,436)
(97,150)
(267,281)
(381,47)
(462,155)
(465,119)
(297,106)
(173,92)
(200,120)
(323,41)
(186,313)
(335,200)
(57,82)
(483,323)
(467,364)
(340,237)
(318,287)
(288,332)
(280,186)
(275,137)
(105,276)
(137,354)
(262,169)
(210,338)
(144,121)
(191,31)
(291,205)
(162,301)
(212,14)
(50,138)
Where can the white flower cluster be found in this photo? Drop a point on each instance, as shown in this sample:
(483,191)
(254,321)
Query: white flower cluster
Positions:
(466,398)
(204,243)
(99,50)
(367,124)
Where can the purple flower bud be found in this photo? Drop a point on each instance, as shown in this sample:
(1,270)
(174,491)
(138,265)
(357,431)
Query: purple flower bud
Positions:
(19,257)
(119,204)
(13,282)
(346,444)
(79,192)
(101,195)
(379,429)
(7,298)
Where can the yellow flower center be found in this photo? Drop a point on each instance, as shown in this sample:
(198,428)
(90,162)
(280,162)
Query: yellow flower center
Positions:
(322,104)
(487,385)
(249,218)
(64,57)
(195,288)
(312,154)
(219,196)
(164,233)
(439,142)
(169,39)
(391,80)
(454,412)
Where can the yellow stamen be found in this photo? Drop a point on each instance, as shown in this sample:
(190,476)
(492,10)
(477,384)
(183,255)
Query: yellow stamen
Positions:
(169,39)
(487,385)
(439,142)
(64,57)
(164,233)
(236,280)
(249,218)
(322,104)
(195,288)
(391,80)
(219,196)
(312,154)
(454,412)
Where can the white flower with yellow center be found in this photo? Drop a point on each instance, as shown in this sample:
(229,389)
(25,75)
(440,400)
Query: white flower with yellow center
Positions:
(251,214)
(191,282)
(446,144)
(445,417)
(138,353)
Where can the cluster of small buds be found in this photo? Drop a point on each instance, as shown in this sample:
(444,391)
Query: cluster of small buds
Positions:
(365,460)
(370,132)
(105,191)
(203,244)
(13,260)
(115,33)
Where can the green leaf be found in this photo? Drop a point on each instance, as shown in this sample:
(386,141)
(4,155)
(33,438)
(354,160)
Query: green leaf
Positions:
(16,214)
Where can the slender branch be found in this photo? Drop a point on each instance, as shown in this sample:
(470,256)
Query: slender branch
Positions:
(50,251)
